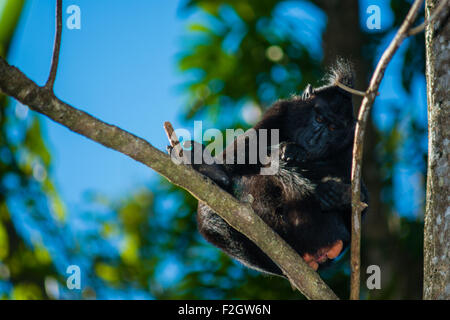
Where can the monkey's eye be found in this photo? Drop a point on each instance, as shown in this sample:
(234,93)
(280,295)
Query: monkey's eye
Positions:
(331,127)
(319,119)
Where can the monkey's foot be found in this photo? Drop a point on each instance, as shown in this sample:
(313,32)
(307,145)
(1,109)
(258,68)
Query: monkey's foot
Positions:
(322,255)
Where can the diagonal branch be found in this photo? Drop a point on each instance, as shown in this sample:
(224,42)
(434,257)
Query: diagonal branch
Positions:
(358,144)
(239,215)
(56,47)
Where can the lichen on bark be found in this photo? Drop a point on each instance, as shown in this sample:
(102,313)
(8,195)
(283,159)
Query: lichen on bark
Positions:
(437,213)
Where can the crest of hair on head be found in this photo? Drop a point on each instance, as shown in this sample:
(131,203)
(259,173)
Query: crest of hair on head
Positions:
(343,72)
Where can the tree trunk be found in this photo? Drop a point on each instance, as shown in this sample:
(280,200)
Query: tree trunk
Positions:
(437,215)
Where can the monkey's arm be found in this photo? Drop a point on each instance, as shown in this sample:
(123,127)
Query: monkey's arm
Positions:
(194,155)
(246,156)
(334,194)
(240,158)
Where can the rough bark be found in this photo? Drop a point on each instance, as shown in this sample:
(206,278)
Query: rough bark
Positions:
(437,214)
(239,215)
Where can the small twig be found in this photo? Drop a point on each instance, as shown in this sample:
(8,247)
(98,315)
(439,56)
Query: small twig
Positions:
(56,47)
(428,21)
(358,145)
(170,132)
(173,139)
(351,90)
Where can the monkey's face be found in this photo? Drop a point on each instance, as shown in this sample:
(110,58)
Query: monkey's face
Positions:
(329,126)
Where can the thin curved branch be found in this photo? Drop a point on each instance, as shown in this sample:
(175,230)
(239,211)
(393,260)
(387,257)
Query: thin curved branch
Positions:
(239,215)
(358,144)
(56,47)
(351,90)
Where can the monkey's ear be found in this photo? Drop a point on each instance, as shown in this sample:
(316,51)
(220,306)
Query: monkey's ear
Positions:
(309,91)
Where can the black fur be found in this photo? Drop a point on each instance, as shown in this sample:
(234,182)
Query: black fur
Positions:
(307,202)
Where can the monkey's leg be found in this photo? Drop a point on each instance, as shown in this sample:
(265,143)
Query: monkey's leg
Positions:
(235,244)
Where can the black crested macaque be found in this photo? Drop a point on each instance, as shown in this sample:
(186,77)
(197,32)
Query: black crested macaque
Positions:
(307,200)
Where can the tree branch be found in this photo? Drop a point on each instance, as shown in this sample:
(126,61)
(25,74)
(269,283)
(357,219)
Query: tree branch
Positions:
(239,215)
(56,47)
(358,144)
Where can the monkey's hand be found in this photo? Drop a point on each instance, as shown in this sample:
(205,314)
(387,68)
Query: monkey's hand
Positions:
(191,153)
(194,154)
(292,153)
(333,194)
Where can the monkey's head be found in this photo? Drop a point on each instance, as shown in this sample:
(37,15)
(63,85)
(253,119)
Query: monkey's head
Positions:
(322,120)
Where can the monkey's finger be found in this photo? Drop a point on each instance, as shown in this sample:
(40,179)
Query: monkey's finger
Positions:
(308,258)
(314,265)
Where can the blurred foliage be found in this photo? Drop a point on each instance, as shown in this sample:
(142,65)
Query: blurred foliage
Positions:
(24,185)
(245,51)
(238,57)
